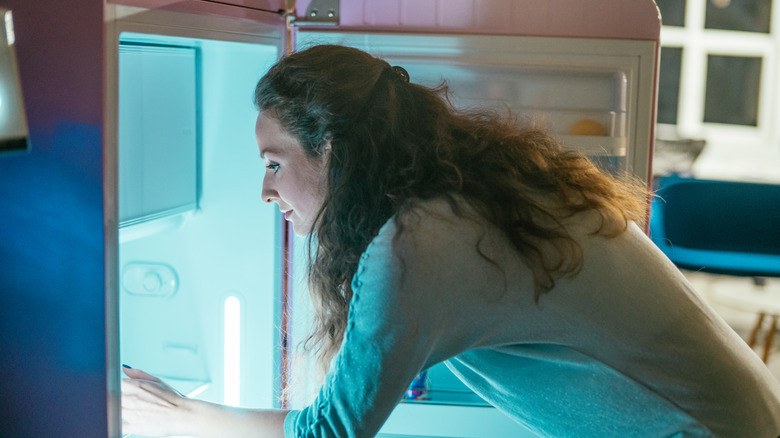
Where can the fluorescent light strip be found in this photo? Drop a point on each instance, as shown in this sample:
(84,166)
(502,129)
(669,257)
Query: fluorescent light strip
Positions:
(232,351)
(9,28)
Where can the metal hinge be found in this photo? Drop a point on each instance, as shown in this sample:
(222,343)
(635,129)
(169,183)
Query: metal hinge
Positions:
(320,12)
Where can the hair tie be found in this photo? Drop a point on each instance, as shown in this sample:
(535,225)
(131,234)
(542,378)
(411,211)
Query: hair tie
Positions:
(401,72)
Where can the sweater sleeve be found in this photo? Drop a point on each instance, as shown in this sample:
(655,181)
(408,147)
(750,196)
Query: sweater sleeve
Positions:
(380,354)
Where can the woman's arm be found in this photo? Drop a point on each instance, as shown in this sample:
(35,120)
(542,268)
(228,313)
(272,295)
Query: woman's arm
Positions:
(152,408)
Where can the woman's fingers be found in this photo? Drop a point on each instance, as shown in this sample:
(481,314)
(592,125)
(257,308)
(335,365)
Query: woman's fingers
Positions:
(150,406)
(139,374)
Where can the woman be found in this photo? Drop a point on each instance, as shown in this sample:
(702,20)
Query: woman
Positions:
(446,236)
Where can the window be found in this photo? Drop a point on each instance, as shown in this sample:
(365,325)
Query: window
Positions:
(739,15)
(669,84)
(733,84)
(717,70)
(673,12)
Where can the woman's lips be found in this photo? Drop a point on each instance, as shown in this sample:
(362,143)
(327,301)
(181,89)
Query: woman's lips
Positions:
(287,215)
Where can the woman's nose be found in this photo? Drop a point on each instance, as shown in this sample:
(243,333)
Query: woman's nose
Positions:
(268,194)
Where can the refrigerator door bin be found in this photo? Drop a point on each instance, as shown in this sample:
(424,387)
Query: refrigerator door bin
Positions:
(568,86)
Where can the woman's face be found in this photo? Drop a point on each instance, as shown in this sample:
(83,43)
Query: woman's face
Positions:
(292,180)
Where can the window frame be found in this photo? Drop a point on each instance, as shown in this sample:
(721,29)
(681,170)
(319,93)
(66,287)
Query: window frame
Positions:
(697,43)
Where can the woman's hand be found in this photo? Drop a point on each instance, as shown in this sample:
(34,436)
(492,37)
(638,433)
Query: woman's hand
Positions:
(150,407)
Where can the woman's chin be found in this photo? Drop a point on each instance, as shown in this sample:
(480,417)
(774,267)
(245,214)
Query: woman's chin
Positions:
(300,230)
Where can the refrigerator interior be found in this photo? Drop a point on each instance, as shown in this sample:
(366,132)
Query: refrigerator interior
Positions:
(199,252)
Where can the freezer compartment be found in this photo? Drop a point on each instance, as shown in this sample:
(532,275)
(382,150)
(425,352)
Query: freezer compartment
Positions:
(158,138)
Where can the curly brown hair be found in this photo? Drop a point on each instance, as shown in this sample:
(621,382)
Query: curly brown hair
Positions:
(393,142)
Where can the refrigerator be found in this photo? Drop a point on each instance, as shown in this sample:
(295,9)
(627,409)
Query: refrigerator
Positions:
(201,283)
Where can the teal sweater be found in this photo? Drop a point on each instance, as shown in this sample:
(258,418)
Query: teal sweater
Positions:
(623,348)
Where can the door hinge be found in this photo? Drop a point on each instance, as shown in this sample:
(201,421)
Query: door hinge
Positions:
(320,12)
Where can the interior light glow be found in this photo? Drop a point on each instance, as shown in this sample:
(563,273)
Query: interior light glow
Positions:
(9,28)
(232,353)
(13,122)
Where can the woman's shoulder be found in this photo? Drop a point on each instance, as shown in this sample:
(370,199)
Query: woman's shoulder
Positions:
(433,222)
(443,253)
(438,235)
(421,245)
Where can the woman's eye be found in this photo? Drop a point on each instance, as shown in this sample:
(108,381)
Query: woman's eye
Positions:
(273,167)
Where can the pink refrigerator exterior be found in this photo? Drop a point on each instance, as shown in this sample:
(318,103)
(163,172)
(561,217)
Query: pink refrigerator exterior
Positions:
(134,232)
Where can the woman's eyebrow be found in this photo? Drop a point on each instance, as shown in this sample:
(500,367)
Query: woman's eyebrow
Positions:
(271,150)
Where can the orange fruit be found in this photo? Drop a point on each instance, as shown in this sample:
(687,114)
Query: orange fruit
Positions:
(587,127)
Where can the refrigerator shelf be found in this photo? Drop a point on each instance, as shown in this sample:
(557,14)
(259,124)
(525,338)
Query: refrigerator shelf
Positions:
(592,145)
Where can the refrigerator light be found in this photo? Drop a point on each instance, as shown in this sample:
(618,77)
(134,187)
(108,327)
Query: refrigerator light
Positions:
(13,123)
(9,28)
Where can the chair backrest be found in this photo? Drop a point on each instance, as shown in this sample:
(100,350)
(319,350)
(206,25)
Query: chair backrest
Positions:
(718,226)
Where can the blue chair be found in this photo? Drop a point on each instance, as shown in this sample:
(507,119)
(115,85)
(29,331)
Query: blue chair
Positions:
(722,227)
